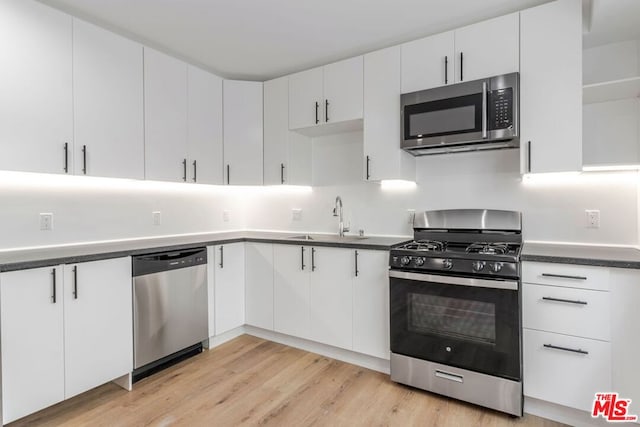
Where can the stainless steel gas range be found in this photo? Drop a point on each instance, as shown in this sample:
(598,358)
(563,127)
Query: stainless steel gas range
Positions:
(455,304)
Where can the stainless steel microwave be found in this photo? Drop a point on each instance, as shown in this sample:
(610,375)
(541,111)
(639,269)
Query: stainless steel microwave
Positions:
(469,116)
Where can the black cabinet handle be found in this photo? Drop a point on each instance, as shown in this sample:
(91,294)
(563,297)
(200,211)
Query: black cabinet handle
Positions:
(313,259)
(84,159)
(357,272)
(66,157)
(75,282)
(563,276)
(529,156)
(281,173)
(317,106)
(53,286)
(572,350)
(368,169)
(326,110)
(228,174)
(302,258)
(184,170)
(221,256)
(446,70)
(569,301)
(195,171)
(461,66)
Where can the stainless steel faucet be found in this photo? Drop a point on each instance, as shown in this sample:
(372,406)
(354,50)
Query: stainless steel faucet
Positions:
(337,211)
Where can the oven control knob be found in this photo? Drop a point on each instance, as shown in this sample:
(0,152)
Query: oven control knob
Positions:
(478,265)
(496,267)
(419,261)
(405,260)
(447,264)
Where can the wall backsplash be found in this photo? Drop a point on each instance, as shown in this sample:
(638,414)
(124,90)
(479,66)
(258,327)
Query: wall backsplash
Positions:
(88,209)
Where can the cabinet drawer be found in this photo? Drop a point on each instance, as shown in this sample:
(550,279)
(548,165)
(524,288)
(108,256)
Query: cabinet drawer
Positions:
(570,311)
(572,276)
(565,377)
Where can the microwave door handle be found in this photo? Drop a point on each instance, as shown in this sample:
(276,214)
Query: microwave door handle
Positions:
(484,110)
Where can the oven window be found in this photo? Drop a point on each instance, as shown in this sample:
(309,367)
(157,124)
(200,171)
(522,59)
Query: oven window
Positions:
(443,121)
(454,317)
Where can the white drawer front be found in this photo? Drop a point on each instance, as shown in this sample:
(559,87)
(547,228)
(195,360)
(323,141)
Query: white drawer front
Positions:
(573,276)
(565,377)
(580,312)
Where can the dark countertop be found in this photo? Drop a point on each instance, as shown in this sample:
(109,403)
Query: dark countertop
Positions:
(600,256)
(25,258)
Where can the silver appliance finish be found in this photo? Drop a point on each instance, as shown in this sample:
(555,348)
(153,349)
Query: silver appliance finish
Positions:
(169,312)
(456,280)
(337,211)
(467,141)
(469,219)
(485,390)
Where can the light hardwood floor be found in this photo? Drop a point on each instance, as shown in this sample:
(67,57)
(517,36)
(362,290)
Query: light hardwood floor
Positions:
(250,381)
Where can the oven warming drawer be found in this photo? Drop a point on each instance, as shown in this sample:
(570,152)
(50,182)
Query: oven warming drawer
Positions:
(485,390)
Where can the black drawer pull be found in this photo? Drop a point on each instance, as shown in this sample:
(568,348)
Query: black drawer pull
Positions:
(572,350)
(569,301)
(563,276)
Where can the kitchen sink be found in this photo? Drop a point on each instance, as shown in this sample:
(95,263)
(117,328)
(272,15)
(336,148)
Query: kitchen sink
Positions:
(302,237)
(328,238)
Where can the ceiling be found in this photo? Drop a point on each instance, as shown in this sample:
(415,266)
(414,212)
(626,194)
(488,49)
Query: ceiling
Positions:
(613,21)
(262,39)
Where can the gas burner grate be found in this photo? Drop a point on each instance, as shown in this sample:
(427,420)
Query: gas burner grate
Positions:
(488,248)
(425,245)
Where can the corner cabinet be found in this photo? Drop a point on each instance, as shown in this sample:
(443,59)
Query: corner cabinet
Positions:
(36,106)
(243,132)
(551,87)
(259,285)
(287,154)
(229,282)
(383,158)
(65,329)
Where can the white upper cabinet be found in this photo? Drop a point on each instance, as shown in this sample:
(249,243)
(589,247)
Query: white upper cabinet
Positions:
(427,63)
(488,48)
(551,87)
(36,113)
(383,158)
(329,95)
(287,154)
(204,130)
(243,132)
(108,103)
(165,103)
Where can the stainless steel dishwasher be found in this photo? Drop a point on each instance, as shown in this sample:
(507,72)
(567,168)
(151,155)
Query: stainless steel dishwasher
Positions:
(170,319)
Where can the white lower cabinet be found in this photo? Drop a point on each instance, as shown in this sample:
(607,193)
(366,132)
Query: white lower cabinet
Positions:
(258,302)
(64,331)
(229,280)
(291,266)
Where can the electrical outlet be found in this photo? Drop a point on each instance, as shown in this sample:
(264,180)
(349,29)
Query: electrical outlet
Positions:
(593,218)
(157,217)
(296,214)
(226,216)
(411,216)
(46,221)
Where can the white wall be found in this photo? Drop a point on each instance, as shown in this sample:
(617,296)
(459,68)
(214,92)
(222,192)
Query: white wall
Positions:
(553,206)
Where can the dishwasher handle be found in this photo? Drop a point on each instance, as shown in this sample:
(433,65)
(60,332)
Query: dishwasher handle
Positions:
(169,260)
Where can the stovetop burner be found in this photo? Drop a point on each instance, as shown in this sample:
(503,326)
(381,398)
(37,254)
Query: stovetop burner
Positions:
(425,245)
(489,248)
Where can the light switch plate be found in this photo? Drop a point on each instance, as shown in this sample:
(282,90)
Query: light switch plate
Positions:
(296,214)
(46,221)
(593,218)
(157,217)
(226,216)
(411,216)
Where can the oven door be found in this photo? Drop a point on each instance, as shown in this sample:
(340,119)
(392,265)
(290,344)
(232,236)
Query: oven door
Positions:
(468,323)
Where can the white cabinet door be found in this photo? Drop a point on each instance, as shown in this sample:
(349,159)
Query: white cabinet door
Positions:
(259,285)
(36,114)
(204,130)
(291,289)
(383,158)
(32,340)
(330,296)
(305,98)
(229,287)
(98,325)
(243,127)
(343,90)
(165,117)
(428,62)
(211,291)
(489,48)
(108,103)
(371,304)
(551,87)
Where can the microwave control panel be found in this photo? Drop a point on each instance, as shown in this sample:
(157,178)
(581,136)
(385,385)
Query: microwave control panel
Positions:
(501,109)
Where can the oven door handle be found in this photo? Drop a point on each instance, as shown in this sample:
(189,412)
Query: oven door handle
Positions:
(484,110)
(454,280)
